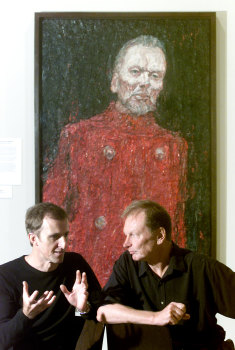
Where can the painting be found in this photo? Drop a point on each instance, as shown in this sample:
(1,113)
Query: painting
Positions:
(125,110)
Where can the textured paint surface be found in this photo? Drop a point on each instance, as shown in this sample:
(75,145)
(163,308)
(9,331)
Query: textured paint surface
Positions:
(103,164)
(93,157)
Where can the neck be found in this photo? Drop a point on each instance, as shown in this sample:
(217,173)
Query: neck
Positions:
(160,265)
(37,264)
(122,109)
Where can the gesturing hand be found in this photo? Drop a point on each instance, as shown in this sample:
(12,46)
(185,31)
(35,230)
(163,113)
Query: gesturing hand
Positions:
(172,314)
(79,295)
(33,306)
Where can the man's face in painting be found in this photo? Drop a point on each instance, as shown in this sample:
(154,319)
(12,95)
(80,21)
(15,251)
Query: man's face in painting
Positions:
(139,79)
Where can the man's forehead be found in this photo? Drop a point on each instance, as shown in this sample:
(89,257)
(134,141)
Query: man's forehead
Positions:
(137,53)
(49,221)
(135,219)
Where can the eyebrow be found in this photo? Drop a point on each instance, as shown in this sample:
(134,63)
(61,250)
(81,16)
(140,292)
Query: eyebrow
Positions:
(146,70)
(58,234)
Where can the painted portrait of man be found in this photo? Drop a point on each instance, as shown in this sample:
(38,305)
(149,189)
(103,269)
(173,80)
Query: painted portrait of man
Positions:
(124,152)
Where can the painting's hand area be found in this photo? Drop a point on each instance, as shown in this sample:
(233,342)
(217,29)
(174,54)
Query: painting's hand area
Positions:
(33,306)
(79,295)
(172,314)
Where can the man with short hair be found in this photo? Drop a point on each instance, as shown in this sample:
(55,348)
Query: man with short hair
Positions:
(37,309)
(155,282)
(119,155)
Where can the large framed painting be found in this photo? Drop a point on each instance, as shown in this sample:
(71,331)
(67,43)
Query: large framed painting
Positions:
(125,110)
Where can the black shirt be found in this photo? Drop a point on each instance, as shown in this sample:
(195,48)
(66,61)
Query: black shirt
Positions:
(55,328)
(204,285)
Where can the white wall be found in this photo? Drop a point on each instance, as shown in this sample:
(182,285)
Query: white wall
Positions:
(17,108)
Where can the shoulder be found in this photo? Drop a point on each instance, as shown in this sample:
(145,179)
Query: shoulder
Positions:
(200,264)
(171,136)
(10,275)
(84,124)
(11,266)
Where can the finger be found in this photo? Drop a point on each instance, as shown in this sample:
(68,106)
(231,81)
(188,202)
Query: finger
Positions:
(44,297)
(25,289)
(78,277)
(51,300)
(186,317)
(176,317)
(181,306)
(33,296)
(64,290)
(49,295)
(48,300)
(84,279)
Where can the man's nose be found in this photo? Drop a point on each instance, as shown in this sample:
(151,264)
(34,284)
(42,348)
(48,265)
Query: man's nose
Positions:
(144,79)
(126,243)
(62,242)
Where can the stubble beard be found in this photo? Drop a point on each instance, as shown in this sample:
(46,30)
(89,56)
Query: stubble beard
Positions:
(138,108)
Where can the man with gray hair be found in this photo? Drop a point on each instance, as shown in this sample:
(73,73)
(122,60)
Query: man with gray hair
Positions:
(136,82)
(106,161)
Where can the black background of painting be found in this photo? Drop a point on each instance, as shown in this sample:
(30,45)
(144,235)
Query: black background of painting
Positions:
(74,59)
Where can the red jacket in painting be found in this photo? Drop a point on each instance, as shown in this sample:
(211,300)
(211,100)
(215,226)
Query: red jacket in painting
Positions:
(102,165)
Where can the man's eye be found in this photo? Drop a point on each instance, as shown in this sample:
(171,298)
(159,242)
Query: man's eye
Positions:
(54,238)
(155,75)
(135,71)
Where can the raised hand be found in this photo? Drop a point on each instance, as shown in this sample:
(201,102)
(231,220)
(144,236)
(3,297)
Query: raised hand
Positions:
(172,314)
(79,295)
(33,306)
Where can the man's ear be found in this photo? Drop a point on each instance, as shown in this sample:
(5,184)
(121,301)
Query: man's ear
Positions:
(33,238)
(114,83)
(161,235)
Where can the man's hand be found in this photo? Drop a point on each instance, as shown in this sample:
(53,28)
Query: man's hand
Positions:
(32,306)
(79,295)
(171,314)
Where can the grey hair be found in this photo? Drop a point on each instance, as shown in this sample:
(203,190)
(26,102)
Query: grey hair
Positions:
(144,40)
(35,215)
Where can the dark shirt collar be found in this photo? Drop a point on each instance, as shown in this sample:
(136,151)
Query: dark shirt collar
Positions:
(176,261)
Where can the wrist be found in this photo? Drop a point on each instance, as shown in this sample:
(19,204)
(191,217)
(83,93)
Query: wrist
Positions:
(80,312)
(155,318)
(27,314)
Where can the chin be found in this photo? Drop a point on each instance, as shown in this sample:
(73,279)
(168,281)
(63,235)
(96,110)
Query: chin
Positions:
(136,257)
(140,109)
(58,260)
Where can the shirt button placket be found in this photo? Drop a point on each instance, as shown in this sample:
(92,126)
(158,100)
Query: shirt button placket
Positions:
(162,294)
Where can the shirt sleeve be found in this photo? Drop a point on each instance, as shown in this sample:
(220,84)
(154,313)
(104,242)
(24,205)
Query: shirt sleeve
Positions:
(13,323)
(222,280)
(117,289)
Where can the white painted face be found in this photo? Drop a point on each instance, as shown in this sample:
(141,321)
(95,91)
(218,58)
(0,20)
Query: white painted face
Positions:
(140,79)
(139,241)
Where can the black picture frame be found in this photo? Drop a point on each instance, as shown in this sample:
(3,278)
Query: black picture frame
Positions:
(188,105)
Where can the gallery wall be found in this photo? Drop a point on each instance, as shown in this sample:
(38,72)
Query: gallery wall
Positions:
(17,111)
